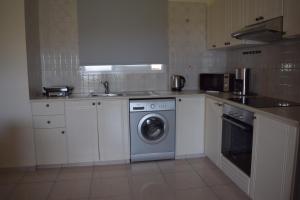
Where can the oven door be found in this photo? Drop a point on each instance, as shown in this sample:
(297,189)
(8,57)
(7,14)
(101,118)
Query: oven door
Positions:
(237,139)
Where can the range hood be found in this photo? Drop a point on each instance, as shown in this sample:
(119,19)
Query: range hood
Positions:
(266,31)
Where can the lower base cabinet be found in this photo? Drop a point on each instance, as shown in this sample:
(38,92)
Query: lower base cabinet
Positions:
(189,126)
(113,129)
(213,130)
(50,146)
(274,148)
(82,132)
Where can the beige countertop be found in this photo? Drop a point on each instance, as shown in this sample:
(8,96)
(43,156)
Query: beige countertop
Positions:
(290,115)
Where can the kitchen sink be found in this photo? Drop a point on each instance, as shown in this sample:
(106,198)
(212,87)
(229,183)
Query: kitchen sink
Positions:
(94,94)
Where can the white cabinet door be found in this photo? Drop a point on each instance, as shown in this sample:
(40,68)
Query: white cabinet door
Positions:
(113,128)
(82,133)
(50,146)
(260,10)
(234,20)
(213,130)
(189,126)
(274,146)
(291,18)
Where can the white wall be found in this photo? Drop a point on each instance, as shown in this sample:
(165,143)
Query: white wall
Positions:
(16,135)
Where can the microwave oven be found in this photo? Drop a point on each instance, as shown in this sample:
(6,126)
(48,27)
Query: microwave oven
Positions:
(216,82)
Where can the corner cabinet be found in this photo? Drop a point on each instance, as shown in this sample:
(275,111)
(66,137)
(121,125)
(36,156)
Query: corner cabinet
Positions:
(213,130)
(113,129)
(274,151)
(189,126)
(82,131)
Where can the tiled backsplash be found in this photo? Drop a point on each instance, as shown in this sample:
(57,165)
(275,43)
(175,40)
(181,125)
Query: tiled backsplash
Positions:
(275,72)
(188,55)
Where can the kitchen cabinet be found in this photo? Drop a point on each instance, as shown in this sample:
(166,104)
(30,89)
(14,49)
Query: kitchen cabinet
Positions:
(216,24)
(82,133)
(49,132)
(113,128)
(291,18)
(260,10)
(189,126)
(274,146)
(50,146)
(224,18)
(213,130)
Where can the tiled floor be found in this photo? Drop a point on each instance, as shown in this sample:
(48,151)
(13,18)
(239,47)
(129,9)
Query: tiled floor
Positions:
(193,179)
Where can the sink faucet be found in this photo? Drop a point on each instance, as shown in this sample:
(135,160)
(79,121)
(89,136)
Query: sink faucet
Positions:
(106,86)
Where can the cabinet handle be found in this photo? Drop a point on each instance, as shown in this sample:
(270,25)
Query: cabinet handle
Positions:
(179,100)
(214,46)
(63,132)
(227,43)
(219,104)
(259,18)
(93,103)
(99,103)
(48,122)
(47,105)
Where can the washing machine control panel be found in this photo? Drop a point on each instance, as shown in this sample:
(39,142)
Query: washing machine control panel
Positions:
(152,105)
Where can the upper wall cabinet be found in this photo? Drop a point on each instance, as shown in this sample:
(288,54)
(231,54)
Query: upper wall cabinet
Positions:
(123,32)
(291,18)
(260,10)
(224,17)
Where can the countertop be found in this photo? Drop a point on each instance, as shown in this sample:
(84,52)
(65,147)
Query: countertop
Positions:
(290,115)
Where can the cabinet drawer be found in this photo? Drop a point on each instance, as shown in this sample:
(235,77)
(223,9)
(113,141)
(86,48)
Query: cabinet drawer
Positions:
(48,108)
(50,146)
(54,121)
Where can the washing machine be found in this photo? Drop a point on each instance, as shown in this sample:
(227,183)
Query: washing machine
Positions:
(152,129)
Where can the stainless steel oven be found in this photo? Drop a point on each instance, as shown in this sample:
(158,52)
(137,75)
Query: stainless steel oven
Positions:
(237,137)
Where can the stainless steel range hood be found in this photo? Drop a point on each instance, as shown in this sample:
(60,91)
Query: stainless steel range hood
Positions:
(266,31)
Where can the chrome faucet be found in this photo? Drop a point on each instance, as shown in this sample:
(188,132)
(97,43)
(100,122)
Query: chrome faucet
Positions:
(106,86)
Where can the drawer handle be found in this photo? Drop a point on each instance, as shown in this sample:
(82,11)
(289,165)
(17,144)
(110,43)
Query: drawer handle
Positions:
(259,18)
(93,103)
(99,103)
(63,132)
(48,122)
(47,105)
(214,46)
(179,100)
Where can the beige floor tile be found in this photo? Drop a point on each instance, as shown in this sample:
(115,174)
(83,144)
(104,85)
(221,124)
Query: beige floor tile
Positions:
(31,191)
(229,192)
(75,173)
(144,168)
(6,191)
(201,163)
(11,177)
(109,187)
(174,166)
(111,171)
(184,180)
(150,187)
(195,194)
(70,189)
(213,176)
(41,175)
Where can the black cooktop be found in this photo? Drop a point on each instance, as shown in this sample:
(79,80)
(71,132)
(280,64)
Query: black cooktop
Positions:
(263,102)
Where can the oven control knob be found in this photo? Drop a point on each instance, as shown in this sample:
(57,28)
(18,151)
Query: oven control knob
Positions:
(152,106)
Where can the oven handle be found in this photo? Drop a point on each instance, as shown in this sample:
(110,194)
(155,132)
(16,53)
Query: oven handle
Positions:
(234,123)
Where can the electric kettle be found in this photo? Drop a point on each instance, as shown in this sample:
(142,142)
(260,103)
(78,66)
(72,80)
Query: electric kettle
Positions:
(177,82)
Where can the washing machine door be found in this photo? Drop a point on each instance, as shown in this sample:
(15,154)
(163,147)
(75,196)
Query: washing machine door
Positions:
(153,128)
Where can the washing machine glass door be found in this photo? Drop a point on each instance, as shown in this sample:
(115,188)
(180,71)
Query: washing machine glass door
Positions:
(153,128)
